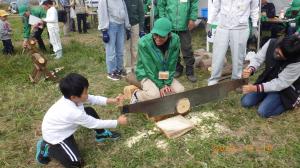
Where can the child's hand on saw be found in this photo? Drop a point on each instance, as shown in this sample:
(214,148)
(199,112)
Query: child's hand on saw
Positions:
(118,100)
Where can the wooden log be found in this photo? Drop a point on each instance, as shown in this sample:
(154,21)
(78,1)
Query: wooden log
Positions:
(226,70)
(38,58)
(183,105)
(129,90)
(160,118)
(175,127)
(131,79)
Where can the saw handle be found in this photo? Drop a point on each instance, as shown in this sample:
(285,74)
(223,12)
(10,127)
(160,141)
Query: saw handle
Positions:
(124,109)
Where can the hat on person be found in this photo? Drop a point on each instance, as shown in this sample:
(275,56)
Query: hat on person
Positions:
(295,5)
(162,27)
(290,47)
(41,2)
(22,9)
(44,2)
(3,13)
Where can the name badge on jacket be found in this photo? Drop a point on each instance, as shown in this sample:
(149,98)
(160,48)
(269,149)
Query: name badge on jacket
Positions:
(163,75)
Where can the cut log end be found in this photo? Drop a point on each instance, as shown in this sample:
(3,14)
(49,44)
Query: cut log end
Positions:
(183,105)
(39,58)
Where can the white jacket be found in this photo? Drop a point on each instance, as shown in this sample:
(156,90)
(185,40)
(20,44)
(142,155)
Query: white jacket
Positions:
(64,118)
(51,18)
(234,14)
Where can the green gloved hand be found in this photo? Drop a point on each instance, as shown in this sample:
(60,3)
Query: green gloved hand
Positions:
(264,18)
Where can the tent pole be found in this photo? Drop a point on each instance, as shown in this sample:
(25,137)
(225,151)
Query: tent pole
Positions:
(259,25)
(152,14)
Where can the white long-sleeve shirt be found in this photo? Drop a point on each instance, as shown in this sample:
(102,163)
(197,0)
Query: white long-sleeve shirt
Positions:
(51,18)
(64,117)
(285,78)
(234,14)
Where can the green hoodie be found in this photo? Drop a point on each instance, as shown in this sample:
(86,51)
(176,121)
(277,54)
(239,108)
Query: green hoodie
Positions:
(179,12)
(150,60)
(135,12)
(289,15)
(37,11)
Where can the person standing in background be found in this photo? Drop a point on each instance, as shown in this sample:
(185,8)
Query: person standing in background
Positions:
(5,33)
(52,25)
(67,25)
(232,30)
(113,20)
(135,10)
(182,14)
(81,13)
(37,11)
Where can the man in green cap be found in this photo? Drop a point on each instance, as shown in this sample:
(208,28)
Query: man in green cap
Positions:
(38,11)
(293,13)
(182,14)
(158,53)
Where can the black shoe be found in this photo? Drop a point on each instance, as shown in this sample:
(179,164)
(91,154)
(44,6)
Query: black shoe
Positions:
(177,74)
(121,73)
(113,76)
(192,78)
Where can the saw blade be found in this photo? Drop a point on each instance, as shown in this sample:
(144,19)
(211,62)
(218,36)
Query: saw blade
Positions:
(167,105)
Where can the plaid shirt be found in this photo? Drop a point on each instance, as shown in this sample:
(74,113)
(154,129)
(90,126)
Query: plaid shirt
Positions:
(65,2)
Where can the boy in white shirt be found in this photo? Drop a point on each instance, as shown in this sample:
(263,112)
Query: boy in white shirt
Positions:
(53,28)
(66,115)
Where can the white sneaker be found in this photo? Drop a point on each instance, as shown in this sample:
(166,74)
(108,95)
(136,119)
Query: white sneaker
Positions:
(58,54)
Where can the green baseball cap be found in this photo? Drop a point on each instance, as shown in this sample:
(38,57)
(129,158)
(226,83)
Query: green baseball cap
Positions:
(162,27)
(22,9)
(295,5)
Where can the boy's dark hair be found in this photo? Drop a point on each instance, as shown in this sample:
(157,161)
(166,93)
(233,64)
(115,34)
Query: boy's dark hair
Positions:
(47,2)
(73,85)
(290,47)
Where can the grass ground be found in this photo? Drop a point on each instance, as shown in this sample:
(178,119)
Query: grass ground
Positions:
(226,135)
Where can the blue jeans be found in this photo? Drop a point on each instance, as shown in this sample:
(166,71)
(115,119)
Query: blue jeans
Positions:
(270,103)
(115,47)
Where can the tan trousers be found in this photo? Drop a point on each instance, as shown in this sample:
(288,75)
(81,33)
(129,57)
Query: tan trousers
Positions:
(131,46)
(151,91)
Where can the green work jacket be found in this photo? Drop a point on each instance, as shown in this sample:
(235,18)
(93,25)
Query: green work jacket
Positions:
(289,15)
(179,12)
(150,60)
(37,11)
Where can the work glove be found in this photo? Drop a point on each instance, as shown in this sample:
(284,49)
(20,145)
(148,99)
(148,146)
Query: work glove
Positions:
(105,36)
(254,32)
(142,33)
(128,34)
(264,18)
(208,30)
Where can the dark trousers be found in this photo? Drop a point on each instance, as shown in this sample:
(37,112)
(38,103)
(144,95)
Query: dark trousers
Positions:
(187,52)
(81,18)
(38,36)
(72,25)
(8,48)
(67,152)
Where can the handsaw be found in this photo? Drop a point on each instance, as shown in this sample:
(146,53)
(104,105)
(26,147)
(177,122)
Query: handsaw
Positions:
(167,105)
